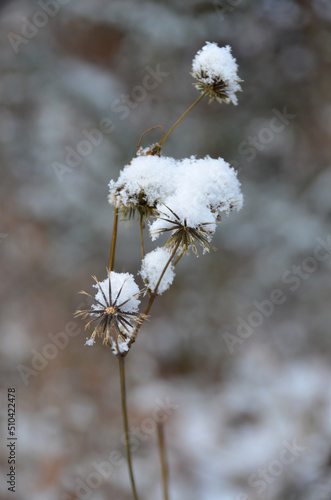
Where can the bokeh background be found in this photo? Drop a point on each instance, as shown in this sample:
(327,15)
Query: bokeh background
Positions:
(247,418)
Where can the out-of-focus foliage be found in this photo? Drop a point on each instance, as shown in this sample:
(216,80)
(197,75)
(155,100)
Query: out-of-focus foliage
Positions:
(81,65)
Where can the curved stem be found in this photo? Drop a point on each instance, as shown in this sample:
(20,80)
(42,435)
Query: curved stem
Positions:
(126,425)
(181,118)
(148,130)
(164,467)
(113,240)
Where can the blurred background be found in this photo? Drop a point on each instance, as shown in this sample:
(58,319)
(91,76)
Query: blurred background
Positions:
(243,383)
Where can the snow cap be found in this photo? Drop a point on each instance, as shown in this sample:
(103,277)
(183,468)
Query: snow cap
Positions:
(152,267)
(215,70)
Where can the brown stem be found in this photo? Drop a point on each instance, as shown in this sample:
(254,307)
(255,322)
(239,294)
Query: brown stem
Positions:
(173,253)
(178,258)
(164,466)
(113,240)
(126,425)
(162,141)
(152,297)
(148,130)
(141,229)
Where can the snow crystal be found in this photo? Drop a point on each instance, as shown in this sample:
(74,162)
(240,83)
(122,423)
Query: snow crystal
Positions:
(123,288)
(152,267)
(216,71)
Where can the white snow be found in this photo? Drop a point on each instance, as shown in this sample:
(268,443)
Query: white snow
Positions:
(209,182)
(192,183)
(123,288)
(122,346)
(148,175)
(213,64)
(203,190)
(89,341)
(186,211)
(193,192)
(152,267)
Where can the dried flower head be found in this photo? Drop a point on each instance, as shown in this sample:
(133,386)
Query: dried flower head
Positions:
(115,309)
(215,70)
(145,181)
(186,232)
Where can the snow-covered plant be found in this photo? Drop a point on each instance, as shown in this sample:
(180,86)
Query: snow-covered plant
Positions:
(183,199)
(142,183)
(115,309)
(215,70)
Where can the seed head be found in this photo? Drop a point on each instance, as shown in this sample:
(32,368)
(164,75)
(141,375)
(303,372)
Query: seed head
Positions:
(184,234)
(116,311)
(215,70)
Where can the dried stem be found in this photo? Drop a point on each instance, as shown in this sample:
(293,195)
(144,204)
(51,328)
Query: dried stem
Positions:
(164,466)
(173,253)
(113,240)
(162,141)
(141,228)
(152,297)
(148,130)
(121,361)
(178,258)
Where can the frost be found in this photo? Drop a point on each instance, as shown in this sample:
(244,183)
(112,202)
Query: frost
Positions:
(152,267)
(216,72)
(123,288)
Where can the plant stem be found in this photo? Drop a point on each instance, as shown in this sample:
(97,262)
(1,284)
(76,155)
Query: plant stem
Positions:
(181,118)
(164,467)
(152,297)
(141,228)
(113,240)
(173,253)
(126,425)
(148,130)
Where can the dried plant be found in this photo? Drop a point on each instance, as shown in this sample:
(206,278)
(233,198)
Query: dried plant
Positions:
(185,198)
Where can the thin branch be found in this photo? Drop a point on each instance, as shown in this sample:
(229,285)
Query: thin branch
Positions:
(173,253)
(113,240)
(141,229)
(126,425)
(152,297)
(164,466)
(162,141)
(148,130)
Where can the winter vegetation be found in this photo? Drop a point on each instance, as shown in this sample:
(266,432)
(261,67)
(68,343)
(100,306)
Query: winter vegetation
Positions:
(222,232)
